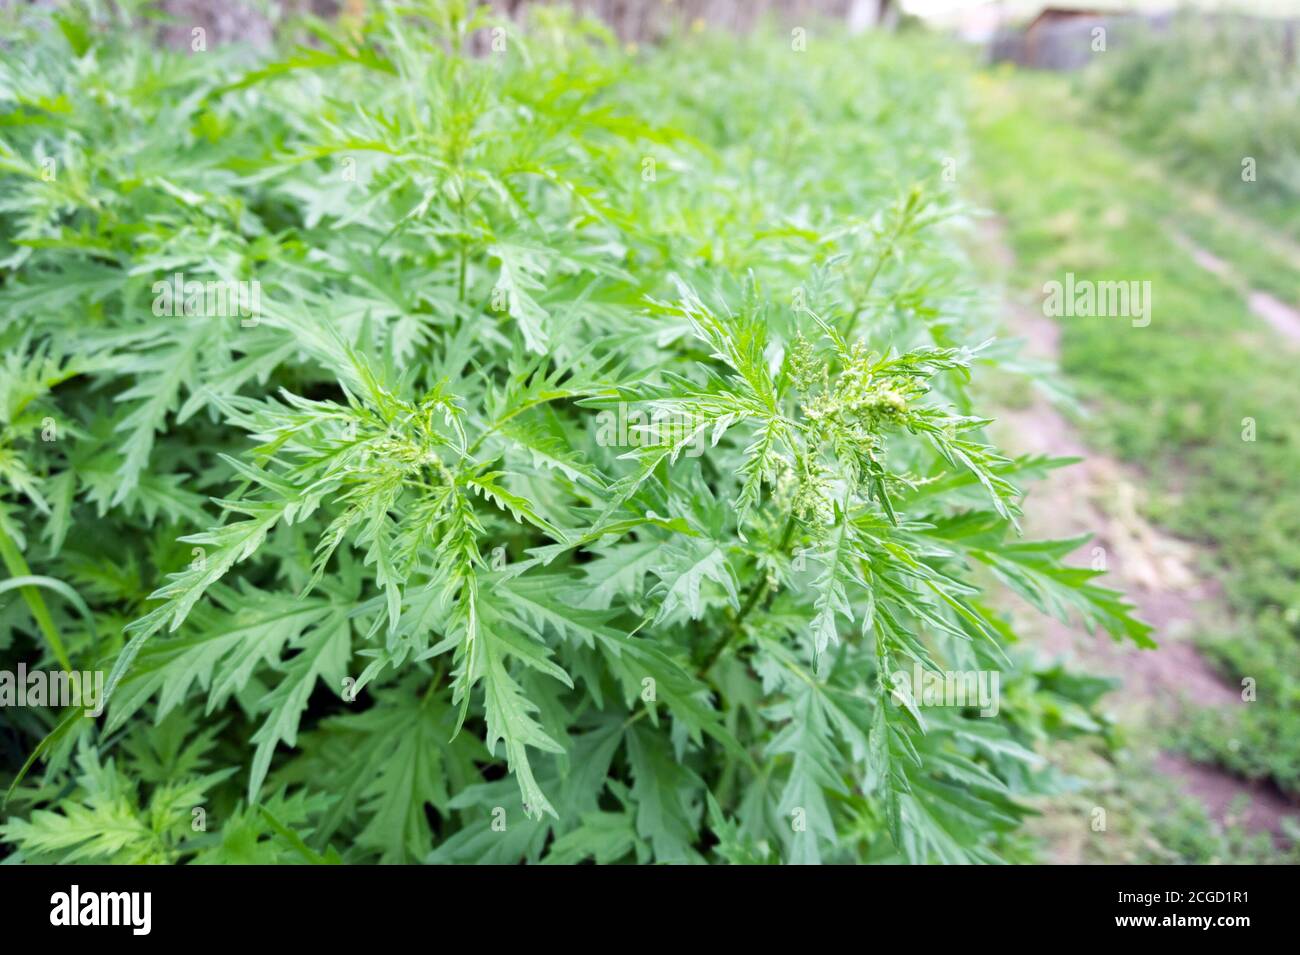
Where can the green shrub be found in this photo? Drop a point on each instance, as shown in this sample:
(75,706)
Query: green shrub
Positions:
(1207,95)
(437,595)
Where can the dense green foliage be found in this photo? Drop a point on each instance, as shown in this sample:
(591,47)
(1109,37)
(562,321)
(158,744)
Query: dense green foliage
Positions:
(1206,95)
(377,571)
(1202,400)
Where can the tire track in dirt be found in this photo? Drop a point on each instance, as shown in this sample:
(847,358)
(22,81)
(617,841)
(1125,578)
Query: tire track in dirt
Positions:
(1284,319)
(1101,496)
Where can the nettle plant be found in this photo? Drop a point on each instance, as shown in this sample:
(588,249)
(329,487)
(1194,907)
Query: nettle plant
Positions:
(372,575)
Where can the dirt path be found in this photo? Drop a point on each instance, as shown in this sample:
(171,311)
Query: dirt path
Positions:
(1211,206)
(1284,319)
(1101,496)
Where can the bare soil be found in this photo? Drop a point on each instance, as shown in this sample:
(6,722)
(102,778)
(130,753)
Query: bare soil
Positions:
(1284,319)
(1160,573)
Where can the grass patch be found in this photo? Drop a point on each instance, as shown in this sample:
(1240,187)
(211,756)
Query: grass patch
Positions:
(1179,397)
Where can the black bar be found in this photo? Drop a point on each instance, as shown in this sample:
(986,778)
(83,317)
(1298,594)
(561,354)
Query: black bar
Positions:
(347,905)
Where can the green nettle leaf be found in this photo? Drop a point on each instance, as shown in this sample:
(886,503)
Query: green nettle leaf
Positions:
(324,654)
(689,566)
(596,453)
(841,571)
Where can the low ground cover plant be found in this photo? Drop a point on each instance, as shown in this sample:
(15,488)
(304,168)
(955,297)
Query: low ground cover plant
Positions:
(555,453)
(1219,451)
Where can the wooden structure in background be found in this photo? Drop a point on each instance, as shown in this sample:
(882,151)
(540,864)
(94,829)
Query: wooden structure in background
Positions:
(227,21)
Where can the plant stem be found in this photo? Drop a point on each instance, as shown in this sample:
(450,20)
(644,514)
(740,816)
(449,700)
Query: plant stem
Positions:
(17,567)
(460,207)
(460,294)
(756,591)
